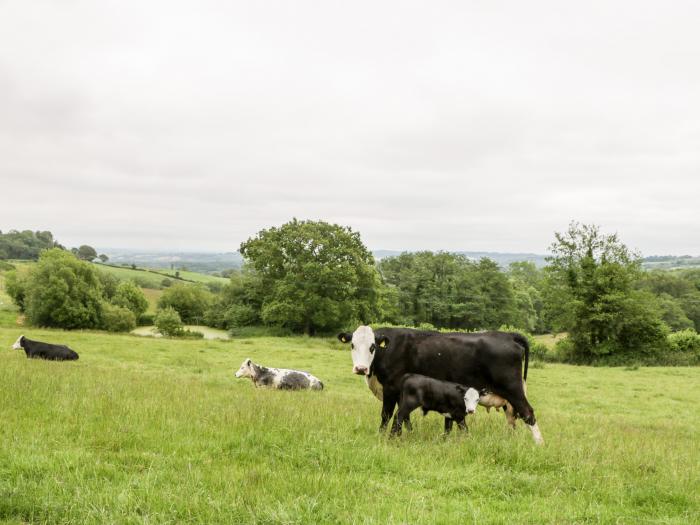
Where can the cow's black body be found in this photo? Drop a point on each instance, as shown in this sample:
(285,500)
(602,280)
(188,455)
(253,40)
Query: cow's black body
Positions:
(430,394)
(39,350)
(482,360)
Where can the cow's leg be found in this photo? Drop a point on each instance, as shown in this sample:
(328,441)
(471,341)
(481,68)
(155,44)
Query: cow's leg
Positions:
(510,414)
(402,414)
(461,423)
(448,425)
(525,412)
(388,404)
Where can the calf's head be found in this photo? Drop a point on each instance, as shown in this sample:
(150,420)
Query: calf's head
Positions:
(247,369)
(364,345)
(471,400)
(18,343)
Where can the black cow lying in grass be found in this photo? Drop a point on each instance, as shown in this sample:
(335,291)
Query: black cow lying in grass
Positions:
(39,350)
(281,378)
(452,400)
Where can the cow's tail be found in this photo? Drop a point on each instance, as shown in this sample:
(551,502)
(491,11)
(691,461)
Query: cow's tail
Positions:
(522,341)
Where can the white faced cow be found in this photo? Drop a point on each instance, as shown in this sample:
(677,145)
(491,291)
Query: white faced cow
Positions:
(487,361)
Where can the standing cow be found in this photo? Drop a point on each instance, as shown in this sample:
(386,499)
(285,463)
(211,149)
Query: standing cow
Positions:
(491,361)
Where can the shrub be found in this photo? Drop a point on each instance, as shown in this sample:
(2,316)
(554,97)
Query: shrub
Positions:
(190,301)
(146,319)
(6,266)
(685,341)
(63,292)
(16,287)
(130,296)
(168,322)
(117,318)
(166,283)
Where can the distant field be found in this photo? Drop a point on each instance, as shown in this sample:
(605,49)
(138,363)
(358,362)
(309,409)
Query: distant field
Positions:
(143,430)
(152,297)
(149,279)
(549,340)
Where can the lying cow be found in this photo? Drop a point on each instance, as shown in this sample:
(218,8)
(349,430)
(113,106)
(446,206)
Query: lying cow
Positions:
(39,350)
(452,400)
(279,377)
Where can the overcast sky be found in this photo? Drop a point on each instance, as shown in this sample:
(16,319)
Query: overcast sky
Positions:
(465,125)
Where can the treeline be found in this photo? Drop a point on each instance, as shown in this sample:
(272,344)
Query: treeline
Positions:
(313,277)
(25,244)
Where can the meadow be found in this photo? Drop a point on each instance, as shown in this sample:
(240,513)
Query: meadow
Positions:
(141,430)
(149,278)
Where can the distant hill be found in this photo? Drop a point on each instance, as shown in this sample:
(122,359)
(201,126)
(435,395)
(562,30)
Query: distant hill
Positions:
(201,262)
(670,262)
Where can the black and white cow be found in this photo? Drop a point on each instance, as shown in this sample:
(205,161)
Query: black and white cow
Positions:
(488,361)
(278,377)
(452,400)
(39,350)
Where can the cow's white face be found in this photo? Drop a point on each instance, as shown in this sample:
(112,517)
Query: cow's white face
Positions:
(18,343)
(364,346)
(471,400)
(246,369)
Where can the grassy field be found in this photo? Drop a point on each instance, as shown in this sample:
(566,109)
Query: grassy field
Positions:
(141,430)
(149,279)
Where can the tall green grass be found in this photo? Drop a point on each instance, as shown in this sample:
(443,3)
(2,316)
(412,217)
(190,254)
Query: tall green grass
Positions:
(159,431)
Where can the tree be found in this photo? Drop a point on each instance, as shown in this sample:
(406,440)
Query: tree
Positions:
(130,296)
(62,291)
(314,276)
(190,301)
(117,318)
(86,253)
(103,258)
(168,322)
(592,275)
(25,244)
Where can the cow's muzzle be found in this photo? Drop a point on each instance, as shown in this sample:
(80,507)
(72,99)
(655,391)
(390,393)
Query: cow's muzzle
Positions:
(359,370)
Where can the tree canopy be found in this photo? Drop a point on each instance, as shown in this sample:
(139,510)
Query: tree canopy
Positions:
(313,275)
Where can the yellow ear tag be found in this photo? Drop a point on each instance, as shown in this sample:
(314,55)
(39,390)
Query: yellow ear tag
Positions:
(382,344)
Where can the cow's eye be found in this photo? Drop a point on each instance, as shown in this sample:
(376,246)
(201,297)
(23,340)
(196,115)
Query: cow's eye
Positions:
(371,349)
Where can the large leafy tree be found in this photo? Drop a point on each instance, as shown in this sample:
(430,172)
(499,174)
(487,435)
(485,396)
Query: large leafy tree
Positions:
(314,276)
(130,296)
(63,291)
(591,277)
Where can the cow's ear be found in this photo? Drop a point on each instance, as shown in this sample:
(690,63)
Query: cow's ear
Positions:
(344,337)
(462,389)
(382,341)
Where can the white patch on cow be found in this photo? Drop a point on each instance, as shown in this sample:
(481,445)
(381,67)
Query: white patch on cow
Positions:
(471,400)
(362,349)
(376,387)
(448,416)
(536,434)
(18,345)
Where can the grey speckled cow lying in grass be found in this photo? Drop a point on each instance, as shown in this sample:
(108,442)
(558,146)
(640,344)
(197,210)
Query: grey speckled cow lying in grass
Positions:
(279,377)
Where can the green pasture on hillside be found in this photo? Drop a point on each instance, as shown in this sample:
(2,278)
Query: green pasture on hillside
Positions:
(150,279)
(141,430)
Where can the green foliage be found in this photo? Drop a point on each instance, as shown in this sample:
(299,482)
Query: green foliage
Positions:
(86,253)
(672,313)
(166,283)
(313,276)
(447,290)
(109,284)
(190,301)
(62,291)
(5,266)
(538,350)
(685,341)
(591,277)
(16,287)
(117,318)
(168,321)
(25,244)
(130,296)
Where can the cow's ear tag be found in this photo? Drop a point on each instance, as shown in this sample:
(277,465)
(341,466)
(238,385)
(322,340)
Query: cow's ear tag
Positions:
(345,339)
(382,343)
